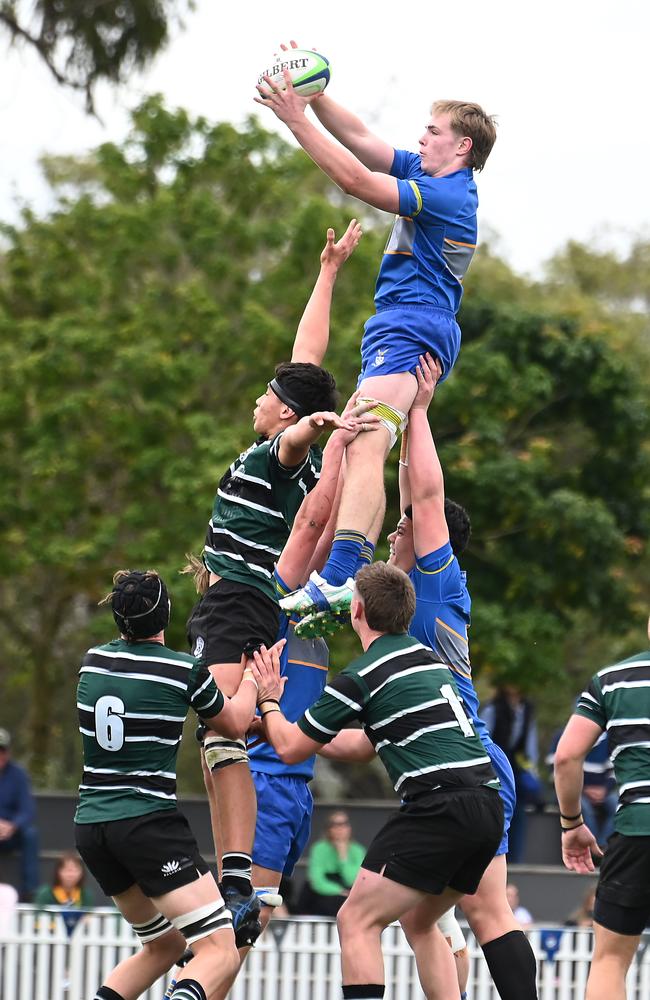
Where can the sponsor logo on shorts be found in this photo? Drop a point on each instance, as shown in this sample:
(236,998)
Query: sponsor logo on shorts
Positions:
(171,868)
(380,359)
(199,646)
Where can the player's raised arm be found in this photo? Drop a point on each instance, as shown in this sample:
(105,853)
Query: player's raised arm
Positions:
(374,153)
(312,335)
(345,169)
(425,478)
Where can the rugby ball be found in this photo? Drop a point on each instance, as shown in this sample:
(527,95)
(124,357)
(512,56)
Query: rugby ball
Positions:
(310,71)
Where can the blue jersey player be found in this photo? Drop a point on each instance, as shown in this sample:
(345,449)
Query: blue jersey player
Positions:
(430,535)
(433,196)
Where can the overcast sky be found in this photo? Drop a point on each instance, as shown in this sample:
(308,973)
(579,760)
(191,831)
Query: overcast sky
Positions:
(568,81)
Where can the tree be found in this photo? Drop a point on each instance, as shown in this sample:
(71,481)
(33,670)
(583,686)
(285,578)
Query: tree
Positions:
(141,318)
(85,41)
(137,325)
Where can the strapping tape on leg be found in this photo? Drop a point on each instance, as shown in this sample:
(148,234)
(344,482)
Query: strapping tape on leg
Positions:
(392,419)
(203,921)
(451,929)
(220,752)
(152,929)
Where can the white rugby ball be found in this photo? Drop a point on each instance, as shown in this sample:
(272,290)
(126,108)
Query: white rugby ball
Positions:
(310,71)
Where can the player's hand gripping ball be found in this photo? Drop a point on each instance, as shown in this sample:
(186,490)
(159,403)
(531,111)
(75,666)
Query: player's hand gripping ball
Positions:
(309,71)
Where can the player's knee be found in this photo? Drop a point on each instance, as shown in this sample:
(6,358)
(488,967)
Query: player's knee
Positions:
(166,950)
(353,920)
(220,752)
(345,919)
(451,930)
(221,951)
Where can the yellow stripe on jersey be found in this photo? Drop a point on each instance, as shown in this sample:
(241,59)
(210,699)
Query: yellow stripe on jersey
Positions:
(448,628)
(457,243)
(305,663)
(418,196)
(432,572)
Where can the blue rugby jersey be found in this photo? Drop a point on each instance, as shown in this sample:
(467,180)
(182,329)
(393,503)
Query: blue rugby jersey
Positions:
(433,238)
(304,663)
(442,618)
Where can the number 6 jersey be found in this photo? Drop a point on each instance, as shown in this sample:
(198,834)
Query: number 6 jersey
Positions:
(133,699)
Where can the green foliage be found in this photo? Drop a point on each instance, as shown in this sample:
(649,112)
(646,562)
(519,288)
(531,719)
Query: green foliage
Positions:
(84,41)
(141,318)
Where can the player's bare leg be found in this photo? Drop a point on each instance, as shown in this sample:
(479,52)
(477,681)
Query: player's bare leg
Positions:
(362,497)
(215,956)
(432,954)
(506,948)
(233,810)
(613,955)
(373,903)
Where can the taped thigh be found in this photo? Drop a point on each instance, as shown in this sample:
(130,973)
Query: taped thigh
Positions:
(152,929)
(203,921)
(392,419)
(220,752)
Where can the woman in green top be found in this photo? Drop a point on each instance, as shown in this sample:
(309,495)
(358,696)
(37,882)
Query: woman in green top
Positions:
(332,868)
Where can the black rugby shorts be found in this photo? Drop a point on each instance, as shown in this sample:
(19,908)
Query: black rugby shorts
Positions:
(623,891)
(227,618)
(440,839)
(157,852)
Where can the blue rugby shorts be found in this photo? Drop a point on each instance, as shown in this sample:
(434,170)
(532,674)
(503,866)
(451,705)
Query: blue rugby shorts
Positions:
(284,809)
(394,338)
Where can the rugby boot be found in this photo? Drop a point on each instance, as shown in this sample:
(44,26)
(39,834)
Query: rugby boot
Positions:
(319,595)
(322,624)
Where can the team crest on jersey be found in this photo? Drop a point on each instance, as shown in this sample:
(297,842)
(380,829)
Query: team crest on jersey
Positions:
(171,867)
(380,359)
(199,646)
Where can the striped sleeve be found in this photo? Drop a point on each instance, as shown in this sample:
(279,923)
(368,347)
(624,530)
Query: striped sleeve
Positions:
(205,697)
(590,704)
(285,471)
(341,703)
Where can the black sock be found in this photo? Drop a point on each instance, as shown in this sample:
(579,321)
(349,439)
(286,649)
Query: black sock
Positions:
(369,991)
(106,993)
(512,966)
(188,989)
(236,871)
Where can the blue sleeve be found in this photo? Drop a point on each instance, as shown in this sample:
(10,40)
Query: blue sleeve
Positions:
(430,199)
(440,573)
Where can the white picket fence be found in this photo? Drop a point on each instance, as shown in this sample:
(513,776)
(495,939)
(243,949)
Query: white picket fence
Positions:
(42,958)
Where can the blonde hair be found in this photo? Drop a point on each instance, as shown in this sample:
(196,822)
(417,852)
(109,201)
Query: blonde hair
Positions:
(195,567)
(470,120)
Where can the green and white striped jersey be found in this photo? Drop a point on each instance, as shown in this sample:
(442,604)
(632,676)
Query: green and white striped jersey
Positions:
(618,700)
(410,709)
(254,508)
(132,700)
